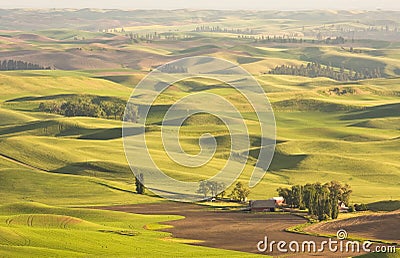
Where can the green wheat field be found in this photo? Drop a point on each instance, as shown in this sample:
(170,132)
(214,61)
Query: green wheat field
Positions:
(53,166)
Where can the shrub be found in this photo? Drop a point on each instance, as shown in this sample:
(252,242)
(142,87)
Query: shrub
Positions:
(360,207)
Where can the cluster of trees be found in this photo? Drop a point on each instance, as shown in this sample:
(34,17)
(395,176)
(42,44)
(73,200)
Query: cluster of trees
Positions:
(91,106)
(321,200)
(10,65)
(373,31)
(385,28)
(169,68)
(331,40)
(335,41)
(346,28)
(149,37)
(294,39)
(240,192)
(317,70)
(224,30)
(279,39)
(214,189)
(340,92)
(112,30)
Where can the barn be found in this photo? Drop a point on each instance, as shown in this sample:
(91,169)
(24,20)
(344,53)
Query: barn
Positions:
(266,205)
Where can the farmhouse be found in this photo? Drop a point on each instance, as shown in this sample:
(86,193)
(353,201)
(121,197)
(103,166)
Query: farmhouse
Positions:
(278,200)
(342,207)
(266,205)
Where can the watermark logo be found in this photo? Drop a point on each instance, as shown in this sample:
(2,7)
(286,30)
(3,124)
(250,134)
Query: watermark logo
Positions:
(331,245)
(341,234)
(197,101)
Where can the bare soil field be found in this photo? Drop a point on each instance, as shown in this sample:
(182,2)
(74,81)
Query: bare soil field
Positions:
(239,231)
(377,226)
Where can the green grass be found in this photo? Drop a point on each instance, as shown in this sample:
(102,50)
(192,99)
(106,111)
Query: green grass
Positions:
(333,56)
(37,230)
(24,84)
(8,117)
(50,163)
(384,206)
(19,184)
(198,49)
(67,34)
(320,135)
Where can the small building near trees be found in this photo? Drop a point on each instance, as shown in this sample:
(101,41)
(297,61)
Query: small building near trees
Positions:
(266,205)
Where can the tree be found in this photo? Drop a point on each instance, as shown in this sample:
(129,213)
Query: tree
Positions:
(286,194)
(335,194)
(203,188)
(307,195)
(346,192)
(117,110)
(297,196)
(213,187)
(240,192)
(293,196)
(222,194)
(131,113)
(139,182)
(107,108)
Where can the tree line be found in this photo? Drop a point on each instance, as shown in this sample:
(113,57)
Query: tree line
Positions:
(296,40)
(317,70)
(204,28)
(11,65)
(321,200)
(293,39)
(170,68)
(91,106)
(378,32)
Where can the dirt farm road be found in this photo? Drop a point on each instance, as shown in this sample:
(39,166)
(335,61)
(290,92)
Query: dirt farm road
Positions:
(238,231)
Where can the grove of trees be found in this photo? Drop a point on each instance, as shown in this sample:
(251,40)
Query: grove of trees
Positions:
(317,70)
(169,68)
(91,106)
(204,28)
(321,200)
(214,189)
(10,65)
(240,192)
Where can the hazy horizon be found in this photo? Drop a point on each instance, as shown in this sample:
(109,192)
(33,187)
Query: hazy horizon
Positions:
(208,4)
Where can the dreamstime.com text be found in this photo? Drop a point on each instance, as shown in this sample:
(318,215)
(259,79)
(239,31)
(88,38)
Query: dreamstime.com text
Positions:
(340,245)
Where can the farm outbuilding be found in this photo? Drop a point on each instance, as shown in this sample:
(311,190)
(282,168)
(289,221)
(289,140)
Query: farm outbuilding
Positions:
(342,207)
(266,205)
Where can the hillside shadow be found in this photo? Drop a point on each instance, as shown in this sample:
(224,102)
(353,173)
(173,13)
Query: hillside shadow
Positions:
(111,134)
(35,98)
(388,110)
(101,169)
(281,161)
